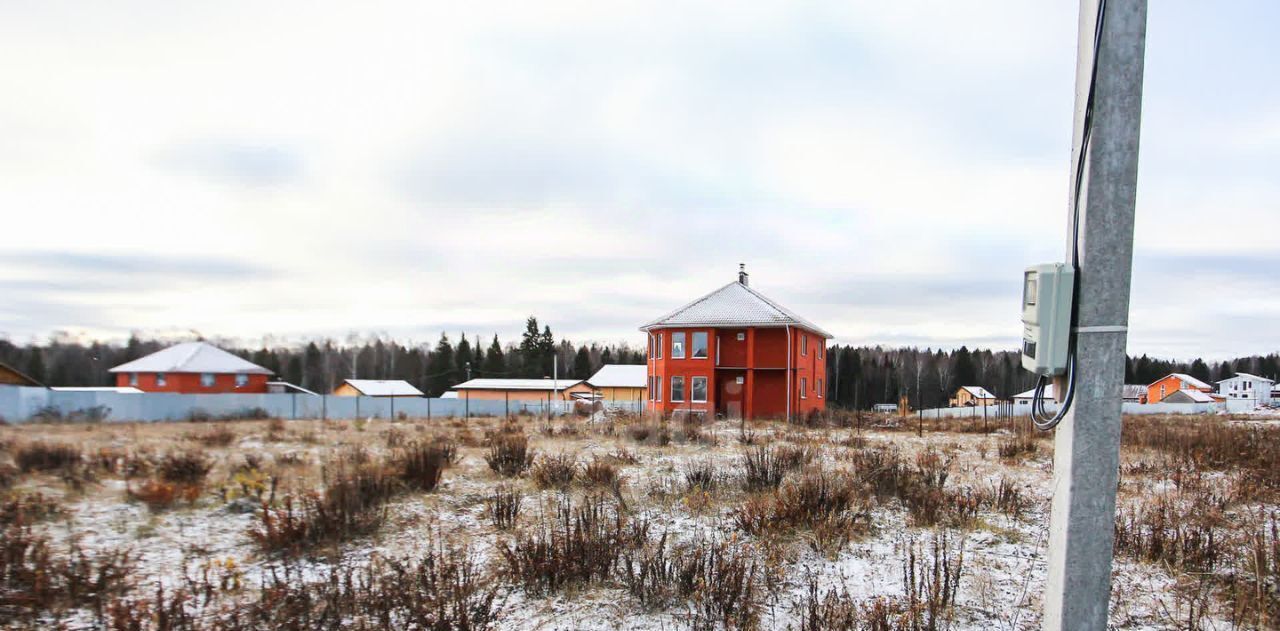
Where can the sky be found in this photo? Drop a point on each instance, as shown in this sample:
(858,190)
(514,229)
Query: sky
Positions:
(286,170)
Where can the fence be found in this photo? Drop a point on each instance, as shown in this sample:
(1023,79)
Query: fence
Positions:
(22,404)
(1023,408)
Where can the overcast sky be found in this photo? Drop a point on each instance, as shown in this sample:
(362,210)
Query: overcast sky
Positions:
(886,169)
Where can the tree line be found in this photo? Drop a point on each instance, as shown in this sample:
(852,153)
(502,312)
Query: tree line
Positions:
(857,376)
(322,365)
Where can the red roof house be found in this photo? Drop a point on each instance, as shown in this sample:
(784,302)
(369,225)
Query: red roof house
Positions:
(192,368)
(737,354)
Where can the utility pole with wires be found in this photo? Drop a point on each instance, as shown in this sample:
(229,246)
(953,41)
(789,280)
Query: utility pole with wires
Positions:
(1109,72)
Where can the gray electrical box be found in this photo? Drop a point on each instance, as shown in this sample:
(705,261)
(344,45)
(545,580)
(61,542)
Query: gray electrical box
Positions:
(1046,317)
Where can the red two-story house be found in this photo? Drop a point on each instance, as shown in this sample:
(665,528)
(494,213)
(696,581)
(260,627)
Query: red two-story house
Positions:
(734,353)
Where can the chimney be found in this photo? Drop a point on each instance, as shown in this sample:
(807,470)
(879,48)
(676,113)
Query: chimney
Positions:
(742,274)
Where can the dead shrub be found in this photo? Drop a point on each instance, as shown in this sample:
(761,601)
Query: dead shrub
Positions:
(350,505)
(721,581)
(184,467)
(161,495)
(43,456)
(702,476)
(556,471)
(577,544)
(509,454)
(794,457)
(1162,530)
(420,466)
(33,580)
(217,436)
(763,470)
(601,473)
(504,506)
(26,508)
(830,504)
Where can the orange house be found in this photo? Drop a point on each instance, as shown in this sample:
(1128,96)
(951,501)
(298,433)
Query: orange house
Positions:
(193,368)
(735,353)
(1169,384)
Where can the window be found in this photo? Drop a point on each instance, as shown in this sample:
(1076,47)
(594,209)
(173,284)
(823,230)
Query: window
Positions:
(822,348)
(659,346)
(804,345)
(206,379)
(677,389)
(1162,391)
(699,387)
(133,379)
(742,337)
(819,387)
(677,346)
(804,387)
(160,380)
(242,381)
(657,387)
(699,344)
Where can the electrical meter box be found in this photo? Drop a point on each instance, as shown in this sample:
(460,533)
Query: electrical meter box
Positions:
(1047,291)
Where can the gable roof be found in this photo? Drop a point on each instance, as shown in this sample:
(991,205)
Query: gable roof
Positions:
(734,304)
(384,387)
(1246,375)
(19,375)
(1182,376)
(518,384)
(192,357)
(620,376)
(1188,396)
(978,391)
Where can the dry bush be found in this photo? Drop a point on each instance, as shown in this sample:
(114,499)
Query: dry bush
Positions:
(1164,531)
(8,475)
(1201,443)
(881,468)
(219,435)
(576,545)
(720,580)
(504,506)
(795,457)
(834,610)
(26,508)
(1253,589)
(831,504)
(702,476)
(601,473)
(622,456)
(691,432)
(1008,499)
(420,465)
(556,471)
(394,438)
(509,454)
(184,467)
(649,432)
(33,580)
(42,456)
(161,495)
(763,469)
(351,505)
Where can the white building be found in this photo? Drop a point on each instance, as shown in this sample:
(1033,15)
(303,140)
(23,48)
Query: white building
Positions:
(1247,386)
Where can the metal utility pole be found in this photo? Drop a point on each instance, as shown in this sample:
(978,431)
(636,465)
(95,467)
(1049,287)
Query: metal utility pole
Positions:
(1087,445)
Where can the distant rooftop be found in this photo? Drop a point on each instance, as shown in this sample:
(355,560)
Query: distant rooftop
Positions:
(620,376)
(518,384)
(198,357)
(383,387)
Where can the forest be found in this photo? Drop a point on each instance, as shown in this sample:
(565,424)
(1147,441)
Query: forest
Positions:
(858,376)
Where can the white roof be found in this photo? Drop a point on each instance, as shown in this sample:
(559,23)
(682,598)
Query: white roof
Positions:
(384,387)
(1133,391)
(620,376)
(452,394)
(1245,375)
(517,384)
(979,391)
(1128,391)
(1182,376)
(1196,396)
(1048,393)
(734,304)
(192,357)
(289,386)
(116,389)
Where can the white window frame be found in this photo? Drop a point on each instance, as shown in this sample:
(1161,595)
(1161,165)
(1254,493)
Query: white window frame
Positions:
(706,345)
(161,380)
(804,387)
(660,342)
(692,390)
(133,379)
(658,390)
(207,379)
(819,389)
(242,380)
(677,344)
(680,380)
(804,345)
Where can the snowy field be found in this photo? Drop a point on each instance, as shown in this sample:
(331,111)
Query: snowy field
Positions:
(621,523)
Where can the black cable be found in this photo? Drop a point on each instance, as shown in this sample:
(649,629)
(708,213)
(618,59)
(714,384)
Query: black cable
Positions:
(1039,415)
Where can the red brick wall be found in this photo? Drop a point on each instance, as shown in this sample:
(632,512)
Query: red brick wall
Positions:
(189,383)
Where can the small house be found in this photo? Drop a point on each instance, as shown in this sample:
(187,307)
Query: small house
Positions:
(1171,383)
(376,388)
(10,376)
(192,368)
(523,389)
(1248,387)
(972,396)
(619,382)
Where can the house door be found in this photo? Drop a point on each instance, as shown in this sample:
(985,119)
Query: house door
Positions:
(730,400)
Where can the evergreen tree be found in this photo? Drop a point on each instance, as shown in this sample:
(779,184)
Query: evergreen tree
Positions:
(582,364)
(495,364)
(1200,370)
(462,357)
(35,367)
(606,356)
(963,373)
(442,368)
(530,350)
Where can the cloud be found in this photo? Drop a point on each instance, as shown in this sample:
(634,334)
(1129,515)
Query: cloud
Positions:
(239,164)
